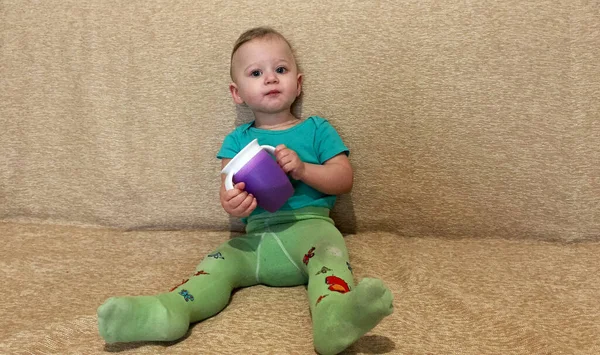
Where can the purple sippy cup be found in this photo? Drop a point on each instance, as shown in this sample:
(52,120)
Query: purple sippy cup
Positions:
(264,178)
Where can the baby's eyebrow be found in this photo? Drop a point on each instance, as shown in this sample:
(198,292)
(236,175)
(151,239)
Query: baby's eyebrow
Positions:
(278,61)
(249,66)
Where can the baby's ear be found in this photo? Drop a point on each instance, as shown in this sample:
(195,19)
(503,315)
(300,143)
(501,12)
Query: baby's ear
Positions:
(235,94)
(300,78)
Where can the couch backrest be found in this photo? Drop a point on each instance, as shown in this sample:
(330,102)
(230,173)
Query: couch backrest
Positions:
(465,119)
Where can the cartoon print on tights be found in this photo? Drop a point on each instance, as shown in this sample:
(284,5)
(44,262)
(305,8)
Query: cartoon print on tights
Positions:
(216,255)
(186,295)
(321,298)
(182,282)
(323,270)
(201,272)
(336,284)
(308,255)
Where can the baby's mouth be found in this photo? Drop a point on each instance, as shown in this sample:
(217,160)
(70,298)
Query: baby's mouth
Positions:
(273,92)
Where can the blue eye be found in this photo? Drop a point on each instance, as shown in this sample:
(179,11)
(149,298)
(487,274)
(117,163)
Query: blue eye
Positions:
(281,70)
(255,73)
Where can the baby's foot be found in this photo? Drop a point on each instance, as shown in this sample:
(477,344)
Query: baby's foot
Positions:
(125,319)
(344,319)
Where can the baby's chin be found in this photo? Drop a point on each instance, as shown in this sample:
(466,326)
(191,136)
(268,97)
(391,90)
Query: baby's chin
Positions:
(274,108)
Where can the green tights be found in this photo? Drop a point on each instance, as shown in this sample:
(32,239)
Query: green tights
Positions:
(283,249)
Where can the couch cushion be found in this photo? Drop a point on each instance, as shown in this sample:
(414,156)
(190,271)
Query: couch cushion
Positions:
(467,296)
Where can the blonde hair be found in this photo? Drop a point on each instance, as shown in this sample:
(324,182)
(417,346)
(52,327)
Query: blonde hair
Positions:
(252,34)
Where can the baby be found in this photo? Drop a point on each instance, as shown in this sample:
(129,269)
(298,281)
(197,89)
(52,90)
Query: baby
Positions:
(297,245)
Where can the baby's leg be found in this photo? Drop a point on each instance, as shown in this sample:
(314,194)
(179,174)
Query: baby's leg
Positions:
(167,316)
(341,312)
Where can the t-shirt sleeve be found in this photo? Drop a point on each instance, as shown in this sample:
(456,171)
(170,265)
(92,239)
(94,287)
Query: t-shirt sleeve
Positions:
(328,142)
(229,148)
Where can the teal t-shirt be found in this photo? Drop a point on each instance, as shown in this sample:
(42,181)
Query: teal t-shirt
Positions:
(314,140)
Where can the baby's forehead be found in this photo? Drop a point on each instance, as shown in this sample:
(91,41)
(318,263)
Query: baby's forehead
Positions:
(270,38)
(274,43)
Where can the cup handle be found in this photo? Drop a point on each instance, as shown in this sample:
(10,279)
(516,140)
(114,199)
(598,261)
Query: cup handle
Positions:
(269,149)
(229,181)
(229,177)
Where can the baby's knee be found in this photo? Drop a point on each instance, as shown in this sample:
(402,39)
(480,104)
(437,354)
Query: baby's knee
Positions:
(330,251)
(334,251)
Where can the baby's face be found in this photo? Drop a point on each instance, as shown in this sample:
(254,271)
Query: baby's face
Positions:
(265,75)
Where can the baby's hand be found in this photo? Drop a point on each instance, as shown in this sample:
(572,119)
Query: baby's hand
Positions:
(237,202)
(290,162)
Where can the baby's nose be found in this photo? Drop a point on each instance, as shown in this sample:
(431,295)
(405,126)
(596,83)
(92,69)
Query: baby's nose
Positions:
(270,78)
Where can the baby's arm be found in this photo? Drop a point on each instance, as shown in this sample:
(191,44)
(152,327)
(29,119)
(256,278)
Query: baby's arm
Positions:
(236,202)
(334,177)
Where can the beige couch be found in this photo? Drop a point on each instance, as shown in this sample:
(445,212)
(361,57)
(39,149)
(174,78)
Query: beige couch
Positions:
(474,131)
